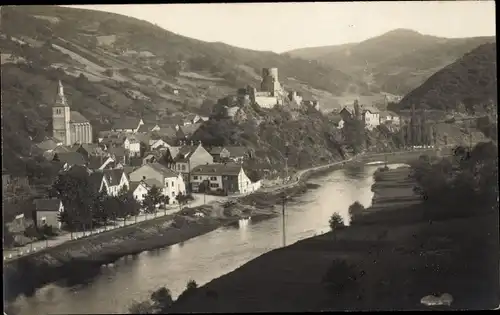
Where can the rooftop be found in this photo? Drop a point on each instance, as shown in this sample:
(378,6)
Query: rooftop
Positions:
(76,117)
(47,204)
(72,158)
(217,169)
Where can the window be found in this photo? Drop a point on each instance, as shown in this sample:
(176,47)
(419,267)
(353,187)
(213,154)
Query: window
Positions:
(214,185)
(213,178)
(183,167)
(173,193)
(173,184)
(195,177)
(166,183)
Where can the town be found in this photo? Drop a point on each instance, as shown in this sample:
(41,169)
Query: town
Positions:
(150,172)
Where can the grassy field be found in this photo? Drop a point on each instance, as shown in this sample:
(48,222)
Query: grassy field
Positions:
(397,255)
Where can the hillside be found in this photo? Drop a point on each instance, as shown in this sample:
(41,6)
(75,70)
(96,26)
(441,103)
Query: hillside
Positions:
(395,62)
(112,65)
(471,80)
(311,137)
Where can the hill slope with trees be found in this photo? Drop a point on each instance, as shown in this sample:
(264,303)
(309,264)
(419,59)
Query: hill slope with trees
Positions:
(470,81)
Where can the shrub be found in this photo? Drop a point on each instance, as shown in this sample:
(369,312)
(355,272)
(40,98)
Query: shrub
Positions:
(190,288)
(340,276)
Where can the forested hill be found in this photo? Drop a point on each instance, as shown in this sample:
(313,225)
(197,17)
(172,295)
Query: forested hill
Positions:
(113,65)
(469,81)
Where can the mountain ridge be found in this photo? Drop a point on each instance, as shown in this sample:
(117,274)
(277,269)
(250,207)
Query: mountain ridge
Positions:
(398,61)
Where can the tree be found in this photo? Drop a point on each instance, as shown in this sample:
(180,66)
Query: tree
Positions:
(190,288)
(152,198)
(162,300)
(181,199)
(145,307)
(78,196)
(355,210)
(336,222)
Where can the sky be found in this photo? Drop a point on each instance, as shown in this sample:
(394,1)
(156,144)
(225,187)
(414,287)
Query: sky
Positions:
(281,27)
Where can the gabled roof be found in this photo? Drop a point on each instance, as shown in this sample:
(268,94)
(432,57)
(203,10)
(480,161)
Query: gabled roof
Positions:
(113,176)
(370,109)
(96,179)
(147,127)
(72,158)
(216,150)
(165,171)
(76,117)
(335,118)
(237,151)
(217,169)
(118,151)
(96,161)
(150,182)
(129,169)
(190,129)
(47,204)
(185,153)
(126,123)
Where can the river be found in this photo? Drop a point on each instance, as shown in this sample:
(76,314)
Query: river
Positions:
(208,256)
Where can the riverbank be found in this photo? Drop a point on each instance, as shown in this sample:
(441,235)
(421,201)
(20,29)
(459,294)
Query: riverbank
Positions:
(26,274)
(86,255)
(396,257)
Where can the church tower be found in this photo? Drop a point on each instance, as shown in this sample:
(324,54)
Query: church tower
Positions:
(61,118)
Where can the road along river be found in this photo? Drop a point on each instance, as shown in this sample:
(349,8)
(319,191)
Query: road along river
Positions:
(208,256)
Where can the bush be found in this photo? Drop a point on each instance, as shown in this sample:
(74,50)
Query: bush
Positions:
(190,288)
(340,276)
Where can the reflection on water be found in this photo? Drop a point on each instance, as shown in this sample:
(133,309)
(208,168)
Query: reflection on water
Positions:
(208,256)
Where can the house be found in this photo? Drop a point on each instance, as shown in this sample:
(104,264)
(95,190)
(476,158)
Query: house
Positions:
(133,145)
(389,116)
(47,212)
(347,113)
(88,150)
(170,182)
(219,154)
(189,130)
(337,121)
(119,154)
(139,190)
(148,127)
(152,157)
(111,181)
(237,153)
(127,125)
(230,177)
(70,159)
(192,119)
(371,117)
(158,143)
(190,157)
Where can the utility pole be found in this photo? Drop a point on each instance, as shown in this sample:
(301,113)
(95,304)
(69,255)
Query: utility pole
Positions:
(286,159)
(283,197)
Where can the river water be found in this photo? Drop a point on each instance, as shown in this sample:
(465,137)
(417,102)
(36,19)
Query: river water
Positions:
(208,256)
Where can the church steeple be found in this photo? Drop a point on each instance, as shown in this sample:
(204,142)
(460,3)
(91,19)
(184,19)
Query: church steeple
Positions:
(61,99)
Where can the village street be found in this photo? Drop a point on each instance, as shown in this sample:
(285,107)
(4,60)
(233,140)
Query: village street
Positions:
(199,199)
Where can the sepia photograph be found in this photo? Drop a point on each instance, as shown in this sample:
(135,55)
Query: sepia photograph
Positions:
(249,157)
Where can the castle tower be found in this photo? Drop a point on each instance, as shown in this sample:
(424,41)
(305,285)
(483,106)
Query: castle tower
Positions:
(61,118)
(270,81)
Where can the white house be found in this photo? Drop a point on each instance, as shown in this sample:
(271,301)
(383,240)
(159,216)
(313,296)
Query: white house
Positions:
(112,181)
(371,117)
(47,212)
(389,117)
(170,182)
(229,177)
(133,145)
(139,190)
